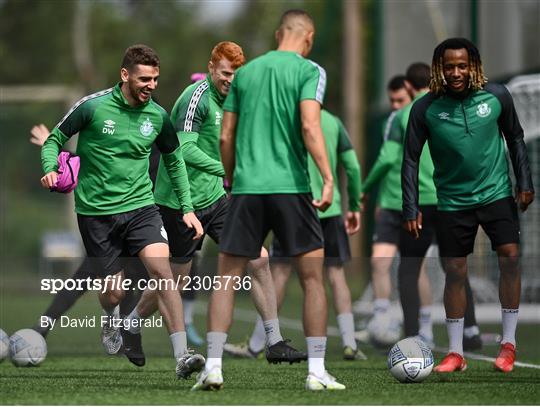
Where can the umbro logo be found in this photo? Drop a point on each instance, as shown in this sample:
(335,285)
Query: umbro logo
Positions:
(444,116)
(108,127)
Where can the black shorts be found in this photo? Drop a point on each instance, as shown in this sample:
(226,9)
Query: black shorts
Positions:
(181,242)
(336,243)
(456,230)
(109,239)
(291,217)
(388,225)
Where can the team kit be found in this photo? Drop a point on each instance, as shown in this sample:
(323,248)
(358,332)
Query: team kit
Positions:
(247,150)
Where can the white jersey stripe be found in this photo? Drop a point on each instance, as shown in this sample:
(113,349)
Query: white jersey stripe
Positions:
(321,85)
(388,126)
(193,102)
(80,102)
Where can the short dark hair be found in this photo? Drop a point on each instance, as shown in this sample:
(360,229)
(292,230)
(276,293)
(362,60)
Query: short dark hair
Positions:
(396,83)
(418,75)
(292,14)
(139,54)
(477,80)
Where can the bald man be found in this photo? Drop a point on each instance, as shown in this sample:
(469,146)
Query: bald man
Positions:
(271,121)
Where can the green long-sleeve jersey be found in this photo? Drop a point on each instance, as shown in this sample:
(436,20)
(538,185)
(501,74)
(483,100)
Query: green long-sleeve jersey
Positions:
(340,152)
(466,137)
(196,117)
(114,144)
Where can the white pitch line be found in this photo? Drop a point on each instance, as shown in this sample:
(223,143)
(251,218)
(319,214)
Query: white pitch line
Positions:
(291,323)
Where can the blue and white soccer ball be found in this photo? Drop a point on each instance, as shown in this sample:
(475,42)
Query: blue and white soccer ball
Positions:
(410,360)
(27,348)
(4,345)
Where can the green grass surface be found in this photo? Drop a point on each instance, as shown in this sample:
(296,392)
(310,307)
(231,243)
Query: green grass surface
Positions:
(77,372)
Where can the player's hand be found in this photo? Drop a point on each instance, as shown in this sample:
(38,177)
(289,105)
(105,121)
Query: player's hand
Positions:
(192,222)
(524,199)
(326,197)
(39,134)
(49,180)
(352,222)
(414,226)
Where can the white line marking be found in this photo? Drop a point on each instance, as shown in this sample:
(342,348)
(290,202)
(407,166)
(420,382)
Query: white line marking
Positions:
(291,323)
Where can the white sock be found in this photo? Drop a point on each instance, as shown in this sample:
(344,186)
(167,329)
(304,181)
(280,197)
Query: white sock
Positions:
(454,326)
(470,331)
(273,334)
(188,311)
(381,305)
(179,343)
(134,327)
(509,324)
(346,329)
(215,341)
(258,337)
(316,346)
(424,322)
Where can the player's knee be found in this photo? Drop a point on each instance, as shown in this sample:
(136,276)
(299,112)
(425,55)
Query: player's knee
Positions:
(456,270)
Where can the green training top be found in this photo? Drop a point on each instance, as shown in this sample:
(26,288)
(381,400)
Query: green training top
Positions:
(114,145)
(271,157)
(196,116)
(466,137)
(340,151)
(389,162)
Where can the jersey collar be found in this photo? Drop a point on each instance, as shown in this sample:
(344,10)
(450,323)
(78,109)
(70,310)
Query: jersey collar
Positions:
(220,98)
(121,99)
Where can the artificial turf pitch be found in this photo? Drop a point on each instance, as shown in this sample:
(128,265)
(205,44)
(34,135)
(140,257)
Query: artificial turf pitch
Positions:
(76,372)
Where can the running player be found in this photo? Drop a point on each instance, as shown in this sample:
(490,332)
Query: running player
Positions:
(115,206)
(336,242)
(463,118)
(272,116)
(197,118)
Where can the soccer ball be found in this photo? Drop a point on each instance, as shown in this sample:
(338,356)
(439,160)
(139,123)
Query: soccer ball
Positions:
(410,360)
(27,348)
(4,345)
(384,330)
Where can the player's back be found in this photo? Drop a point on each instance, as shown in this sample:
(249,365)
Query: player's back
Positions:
(266,94)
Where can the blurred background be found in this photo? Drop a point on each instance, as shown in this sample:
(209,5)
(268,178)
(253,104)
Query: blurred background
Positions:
(54,52)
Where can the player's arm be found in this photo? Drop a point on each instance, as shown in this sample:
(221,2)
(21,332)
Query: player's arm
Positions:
(227,138)
(513,134)
(74,121)
(198,159)
(171,152)
(310,114)
(190,113)
(390,153)
(415,138)
(228,143)
(347,158)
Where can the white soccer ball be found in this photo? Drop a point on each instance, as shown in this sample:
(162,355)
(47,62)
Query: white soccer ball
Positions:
(410,360)
(27,348)
(4,345)
(384,330)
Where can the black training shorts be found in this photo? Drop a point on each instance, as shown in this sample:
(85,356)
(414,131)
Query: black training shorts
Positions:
(181,242)
(291,217)
(456,230)
(109,239)
(336,243)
